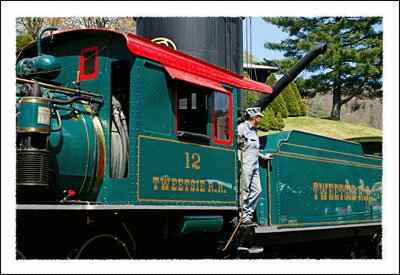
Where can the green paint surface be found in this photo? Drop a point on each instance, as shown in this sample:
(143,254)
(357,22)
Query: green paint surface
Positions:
(177,172)
(316,180)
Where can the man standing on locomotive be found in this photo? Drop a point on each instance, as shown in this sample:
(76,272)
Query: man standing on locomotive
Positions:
(249,141)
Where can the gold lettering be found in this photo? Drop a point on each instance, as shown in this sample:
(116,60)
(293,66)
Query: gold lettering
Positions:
(315,188)
(187,185)
(323,191)
(336,192)
(165,183)
(156,181)
(210,186)
(180,185)
(196,161)
(196,157)
(353,193)
(202,186)
(173,185)
(220,190)
(192,186)
(341,189)
(330,188)
(347,192)
(187,182)
(187,160)
(360,193)
(367,196)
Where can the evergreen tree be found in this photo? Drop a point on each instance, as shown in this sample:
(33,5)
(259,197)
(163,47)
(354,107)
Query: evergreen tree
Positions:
(280,122)
(351,67)
(291,101)
(300,102)
(271,80)
(264,122)
(273,123)
(278,104)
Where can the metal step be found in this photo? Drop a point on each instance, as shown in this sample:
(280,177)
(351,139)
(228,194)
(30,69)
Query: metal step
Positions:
(251,250)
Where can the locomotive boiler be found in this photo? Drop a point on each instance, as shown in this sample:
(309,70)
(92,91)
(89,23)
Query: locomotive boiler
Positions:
(127,149)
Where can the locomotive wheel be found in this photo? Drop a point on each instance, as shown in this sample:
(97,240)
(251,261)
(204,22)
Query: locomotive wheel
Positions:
(103,246)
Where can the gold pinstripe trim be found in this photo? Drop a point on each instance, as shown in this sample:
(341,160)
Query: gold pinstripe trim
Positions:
(88,142)
(154,200)
(166,200)
(269,191)
(326,150)
(34,100)
(33,129)
(184,142)
(333,222)
(101,155)
(300,156)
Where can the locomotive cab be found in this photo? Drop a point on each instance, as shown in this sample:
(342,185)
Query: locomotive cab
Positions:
(161,132)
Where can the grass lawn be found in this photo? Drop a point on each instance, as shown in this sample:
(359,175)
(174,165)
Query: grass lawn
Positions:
(331,128)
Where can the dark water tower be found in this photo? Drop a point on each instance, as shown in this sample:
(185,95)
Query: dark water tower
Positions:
(218,40)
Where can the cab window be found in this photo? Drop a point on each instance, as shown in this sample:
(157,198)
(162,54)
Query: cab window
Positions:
(222,118)
(192,108)
(203,114)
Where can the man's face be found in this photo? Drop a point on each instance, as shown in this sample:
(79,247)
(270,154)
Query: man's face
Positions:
(257,120)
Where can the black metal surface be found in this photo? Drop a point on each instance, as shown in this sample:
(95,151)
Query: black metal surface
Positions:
(285,80)
(218,40)
(32,167)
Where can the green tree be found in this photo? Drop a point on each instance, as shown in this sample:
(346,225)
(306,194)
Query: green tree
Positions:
(351,67)
(23,40)
(271,80)
(264,122)
(273,123)
(300,102)
(278,104)
(291,101)
(280,122)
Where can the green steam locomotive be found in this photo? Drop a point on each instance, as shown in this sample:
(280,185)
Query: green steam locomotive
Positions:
(127,149)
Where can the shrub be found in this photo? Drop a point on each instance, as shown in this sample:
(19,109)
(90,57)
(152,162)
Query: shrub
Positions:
(300,102)
(273,123)
(291,101)
(278,105)
(280,122)
(264,123)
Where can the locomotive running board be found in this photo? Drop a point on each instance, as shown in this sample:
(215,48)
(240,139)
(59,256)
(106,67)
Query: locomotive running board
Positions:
(118,207)
(276,229)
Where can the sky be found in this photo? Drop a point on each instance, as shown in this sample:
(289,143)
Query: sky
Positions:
(261,33)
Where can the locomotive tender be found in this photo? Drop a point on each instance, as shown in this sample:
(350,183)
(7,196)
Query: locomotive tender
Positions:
(127,148)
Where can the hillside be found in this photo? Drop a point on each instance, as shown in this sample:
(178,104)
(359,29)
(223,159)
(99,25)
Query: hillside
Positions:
(326,127)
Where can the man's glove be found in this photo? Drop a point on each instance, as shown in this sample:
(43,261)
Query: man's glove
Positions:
(267,157)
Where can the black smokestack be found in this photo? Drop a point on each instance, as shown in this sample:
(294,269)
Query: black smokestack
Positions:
(285,80)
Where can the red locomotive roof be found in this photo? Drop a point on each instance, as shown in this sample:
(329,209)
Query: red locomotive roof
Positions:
(179,65)
(187,68)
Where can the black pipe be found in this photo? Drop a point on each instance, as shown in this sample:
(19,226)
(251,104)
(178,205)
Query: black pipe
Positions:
(285,80)
(72,99)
